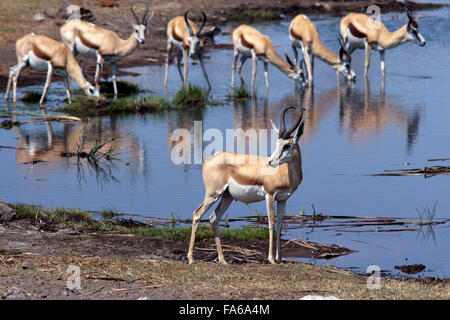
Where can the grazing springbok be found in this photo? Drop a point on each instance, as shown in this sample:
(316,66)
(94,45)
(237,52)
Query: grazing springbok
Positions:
(364,32)
(303,34)
(45,54)
(250,43)
(104,45)
(252,178)
(183,34)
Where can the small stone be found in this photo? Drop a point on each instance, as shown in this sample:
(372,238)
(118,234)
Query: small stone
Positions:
(6,213)
(27,265)
(39,17)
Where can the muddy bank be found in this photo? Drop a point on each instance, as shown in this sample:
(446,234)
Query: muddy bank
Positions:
(15,24)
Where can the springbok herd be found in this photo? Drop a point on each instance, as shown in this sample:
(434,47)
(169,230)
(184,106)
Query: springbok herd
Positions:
(226,175)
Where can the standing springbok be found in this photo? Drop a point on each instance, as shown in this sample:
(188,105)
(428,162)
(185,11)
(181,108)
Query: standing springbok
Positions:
(104,45)
(250,43)
(363,32)
(45,54)
(303,34)
(183,34)
(251,178)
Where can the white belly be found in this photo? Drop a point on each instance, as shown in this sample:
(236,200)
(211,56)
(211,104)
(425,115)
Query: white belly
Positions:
(356,42)
(176,43)
(247,52)
(37,63)
(246,193)
(85,50)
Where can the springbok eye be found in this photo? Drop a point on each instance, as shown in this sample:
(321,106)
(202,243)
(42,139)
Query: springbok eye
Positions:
(285,147)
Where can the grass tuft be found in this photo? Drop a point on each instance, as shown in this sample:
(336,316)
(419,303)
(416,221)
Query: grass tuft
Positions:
(32,97)
(124,88)
(190,96)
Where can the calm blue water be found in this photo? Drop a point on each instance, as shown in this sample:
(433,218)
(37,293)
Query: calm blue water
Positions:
(350,132)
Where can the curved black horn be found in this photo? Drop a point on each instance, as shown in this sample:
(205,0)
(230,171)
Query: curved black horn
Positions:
(288,133)
(188,26)
(145,14)
(283,122)
(202,25)
(134,13)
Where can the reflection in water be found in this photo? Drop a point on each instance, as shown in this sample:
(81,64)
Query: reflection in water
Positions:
(362,115)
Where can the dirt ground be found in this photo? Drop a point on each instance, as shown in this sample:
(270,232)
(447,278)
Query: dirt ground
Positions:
(36,263)
(16,20)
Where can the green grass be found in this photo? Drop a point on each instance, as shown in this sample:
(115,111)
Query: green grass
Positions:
(252,15)
(240,93)
(124,88)
(80,220)
(426,215)
(190,96)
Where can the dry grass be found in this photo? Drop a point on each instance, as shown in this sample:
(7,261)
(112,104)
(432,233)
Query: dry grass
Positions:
(206,280)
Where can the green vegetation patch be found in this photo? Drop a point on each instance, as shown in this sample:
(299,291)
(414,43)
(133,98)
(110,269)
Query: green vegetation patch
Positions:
(191,95)
(124,88)
(254,15)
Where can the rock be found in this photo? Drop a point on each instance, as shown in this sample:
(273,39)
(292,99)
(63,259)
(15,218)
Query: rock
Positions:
(6,213)
(2,229)
(310,297)
(27,265)
(39,17)
(15,293)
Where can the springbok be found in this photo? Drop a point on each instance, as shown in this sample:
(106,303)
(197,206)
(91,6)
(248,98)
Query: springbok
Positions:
(303,34)
(104,45)
(250,43)
(364,32)
(45,54)
(183,34)
(252,178)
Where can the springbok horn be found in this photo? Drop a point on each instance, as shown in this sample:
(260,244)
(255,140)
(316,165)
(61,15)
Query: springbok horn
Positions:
(282,122)
(145,14)
(287,134)
(202,25)
(134,13)
(188,26)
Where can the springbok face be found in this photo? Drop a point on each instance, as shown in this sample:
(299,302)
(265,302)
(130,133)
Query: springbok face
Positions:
(140,27)
(345,62)
(196,39)
(286,144)
(92,90)
(413,30)
(297,72)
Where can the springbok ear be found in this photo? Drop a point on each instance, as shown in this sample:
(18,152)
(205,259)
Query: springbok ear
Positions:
(146,22)
(129,20)
(274,127)
(210,34)
(300,130)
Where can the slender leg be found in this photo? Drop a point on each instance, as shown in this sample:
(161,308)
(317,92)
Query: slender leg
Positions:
(233,66)
(169,50)
(15,77)
(239,67)
(281,205)
(382,63)
(202,64)
(12,72)
(98,71)
(254,60)
(308,64)
(113,73)
(312,64)
(67,80)
(47,82)
(198,213)
(185,57)
(178,60)
(271,218)
(215,219)
(294,48)
(266,73)
(367,58)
